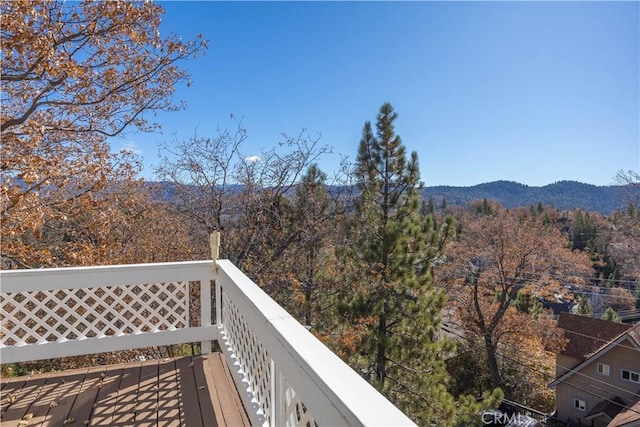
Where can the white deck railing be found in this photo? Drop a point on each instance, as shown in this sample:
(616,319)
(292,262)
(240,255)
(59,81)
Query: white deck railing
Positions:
(285,375)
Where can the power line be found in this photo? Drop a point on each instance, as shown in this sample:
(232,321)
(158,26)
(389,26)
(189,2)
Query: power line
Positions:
(559,379)
(465,266)
(572,286)
(587,336)
(599,339)
(594,338)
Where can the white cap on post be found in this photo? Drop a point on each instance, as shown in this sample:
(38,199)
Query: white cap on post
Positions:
(214,242)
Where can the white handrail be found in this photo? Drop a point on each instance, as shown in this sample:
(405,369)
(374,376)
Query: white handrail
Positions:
(56,312)
(307,373)
(85,277)
(284,374)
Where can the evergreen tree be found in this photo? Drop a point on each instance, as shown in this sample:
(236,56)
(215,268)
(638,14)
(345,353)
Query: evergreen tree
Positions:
(486,208)
(309,234)
(431,205)
(526,303)
(400,352)
(584,307)
(427,208)
(584,232)
(537,210)
(611,315)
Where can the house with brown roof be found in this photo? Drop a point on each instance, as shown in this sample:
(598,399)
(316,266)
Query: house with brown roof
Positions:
(598,373)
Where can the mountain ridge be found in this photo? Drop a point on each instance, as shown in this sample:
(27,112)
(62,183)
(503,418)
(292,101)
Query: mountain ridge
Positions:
(563,195)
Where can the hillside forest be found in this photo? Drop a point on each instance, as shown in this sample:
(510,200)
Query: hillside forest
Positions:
(423,299)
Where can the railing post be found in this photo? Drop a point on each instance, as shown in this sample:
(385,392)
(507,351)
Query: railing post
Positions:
(205,290)
(277,396)
(218,303)
(205,311)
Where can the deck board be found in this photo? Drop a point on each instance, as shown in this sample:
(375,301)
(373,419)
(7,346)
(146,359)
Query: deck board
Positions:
(202,393)
(102,408)
(9,391)
(63,401)
(126,396)
(190,409)
(230,407)
(188,391)
(53,409)
(86,395)
(146,410)
(23,399)
(168,395)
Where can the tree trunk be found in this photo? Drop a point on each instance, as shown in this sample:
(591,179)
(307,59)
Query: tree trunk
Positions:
(381,359)
(307,304)
(496,379)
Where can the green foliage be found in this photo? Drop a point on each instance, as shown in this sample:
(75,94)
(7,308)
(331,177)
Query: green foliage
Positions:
(608,269)
(468,368)
(400,351)
(471,408)
(427,208)
(307,238)
(528,304)
(561,195)
(584,232)
(17,370)
(584,307)
(484,208)
(611,315)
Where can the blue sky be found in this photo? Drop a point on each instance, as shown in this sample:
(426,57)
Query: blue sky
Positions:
(533,92)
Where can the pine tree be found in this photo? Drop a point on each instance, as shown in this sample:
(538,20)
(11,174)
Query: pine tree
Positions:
(309,222)
(486,208)
(401,352)
(611,315)
(584,307)
(427,208)
(528,304)
(585,232)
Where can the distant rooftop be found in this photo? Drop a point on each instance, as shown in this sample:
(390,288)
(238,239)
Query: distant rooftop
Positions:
(586,335)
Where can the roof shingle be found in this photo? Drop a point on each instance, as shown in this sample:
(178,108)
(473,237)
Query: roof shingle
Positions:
(586,335)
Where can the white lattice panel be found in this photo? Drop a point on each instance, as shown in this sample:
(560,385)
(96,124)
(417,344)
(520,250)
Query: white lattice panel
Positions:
(250,353)
(32,317)
(295,412)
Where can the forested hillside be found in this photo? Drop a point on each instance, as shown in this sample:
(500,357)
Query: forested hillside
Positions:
(563,195)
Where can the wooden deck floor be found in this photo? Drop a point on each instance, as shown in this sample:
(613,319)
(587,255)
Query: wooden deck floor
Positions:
(187,391)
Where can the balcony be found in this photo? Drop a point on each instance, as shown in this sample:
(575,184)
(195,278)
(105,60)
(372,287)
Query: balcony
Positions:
(283,374)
